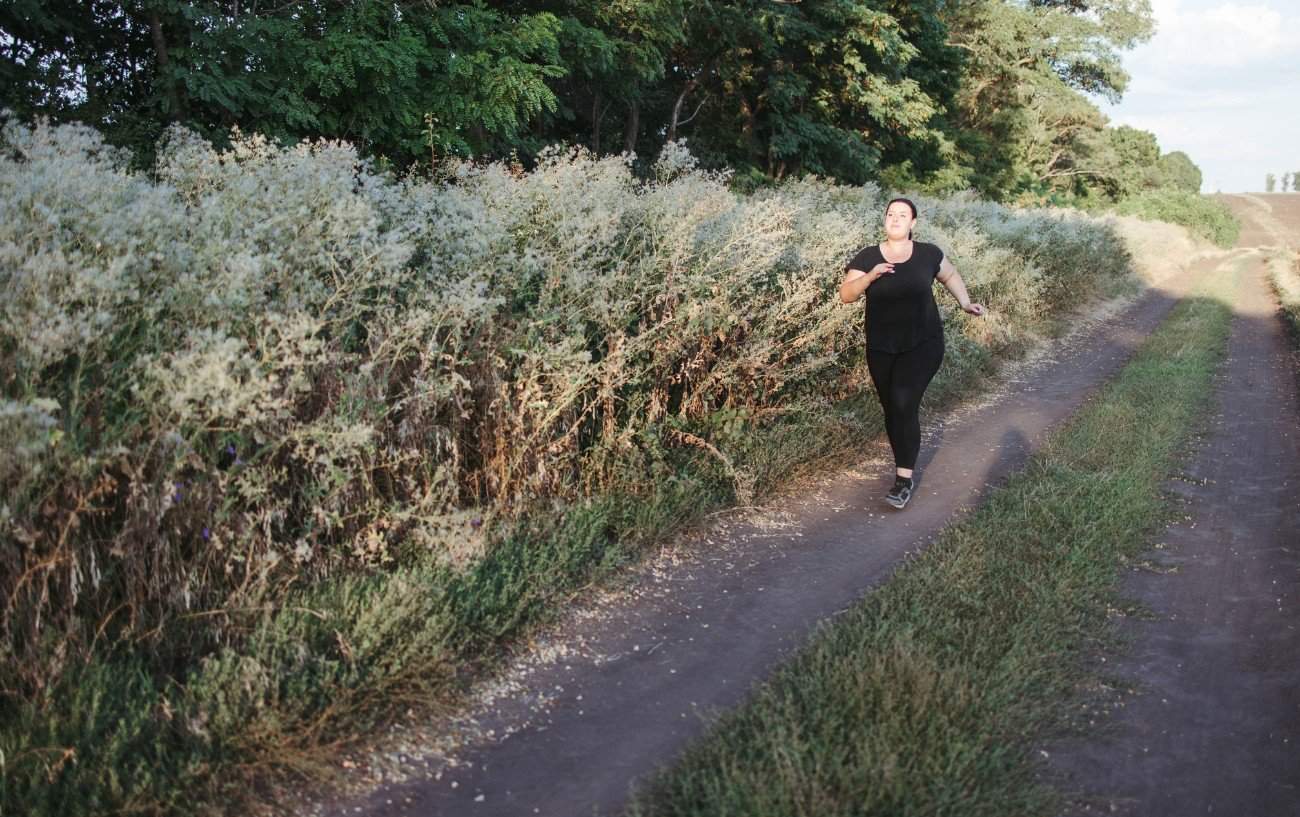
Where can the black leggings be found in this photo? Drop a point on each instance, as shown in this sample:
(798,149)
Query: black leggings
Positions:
(900,381)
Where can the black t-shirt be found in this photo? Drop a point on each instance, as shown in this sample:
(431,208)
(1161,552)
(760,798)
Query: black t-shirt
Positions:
(900,313)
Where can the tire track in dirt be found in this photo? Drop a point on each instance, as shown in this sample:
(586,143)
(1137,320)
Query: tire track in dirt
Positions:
(1210,721)
(626,681)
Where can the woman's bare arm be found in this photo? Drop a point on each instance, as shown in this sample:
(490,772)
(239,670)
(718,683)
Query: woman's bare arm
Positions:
(854,284)
(856,281)
(951,279)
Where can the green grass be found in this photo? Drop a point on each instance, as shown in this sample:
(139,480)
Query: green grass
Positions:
(315,674)
(1204,216)
(925,697)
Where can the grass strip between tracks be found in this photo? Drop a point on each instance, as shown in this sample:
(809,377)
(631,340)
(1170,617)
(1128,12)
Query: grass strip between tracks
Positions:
(927,695)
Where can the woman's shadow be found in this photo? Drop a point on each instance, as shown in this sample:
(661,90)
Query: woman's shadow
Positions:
(1012,454)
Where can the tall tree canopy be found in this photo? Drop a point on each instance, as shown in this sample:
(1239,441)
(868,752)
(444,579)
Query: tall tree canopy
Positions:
(391,77)
(1025,124)
(935,94)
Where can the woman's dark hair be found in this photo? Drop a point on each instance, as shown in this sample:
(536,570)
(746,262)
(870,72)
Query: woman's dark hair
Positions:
(910,206)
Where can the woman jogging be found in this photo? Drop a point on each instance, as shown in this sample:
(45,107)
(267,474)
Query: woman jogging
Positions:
(904,332)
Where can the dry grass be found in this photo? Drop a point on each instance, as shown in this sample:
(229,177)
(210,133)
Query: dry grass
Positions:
(1162,251)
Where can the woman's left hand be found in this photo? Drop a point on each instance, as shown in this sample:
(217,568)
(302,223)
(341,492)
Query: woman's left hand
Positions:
(974,309)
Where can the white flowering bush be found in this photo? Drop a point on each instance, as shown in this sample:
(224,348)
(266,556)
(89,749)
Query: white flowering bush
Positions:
(265,367)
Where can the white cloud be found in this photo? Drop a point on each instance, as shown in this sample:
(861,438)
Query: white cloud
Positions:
(1220,81)
(1225,35)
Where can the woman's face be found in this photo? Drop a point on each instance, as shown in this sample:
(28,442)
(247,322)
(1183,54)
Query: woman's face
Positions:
(898,221)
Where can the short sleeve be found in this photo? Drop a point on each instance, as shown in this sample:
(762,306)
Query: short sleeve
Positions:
(862,260)
(938,260)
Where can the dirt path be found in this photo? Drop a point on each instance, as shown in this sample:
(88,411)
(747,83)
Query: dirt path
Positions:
(626,681)
(1208,719)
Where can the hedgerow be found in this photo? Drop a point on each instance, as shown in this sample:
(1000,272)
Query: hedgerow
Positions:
(279,433)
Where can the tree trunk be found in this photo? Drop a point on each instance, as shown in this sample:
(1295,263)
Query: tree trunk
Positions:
(92,92)
(633,127)
(164,62)
(595,124)
(750,131)
(677,108)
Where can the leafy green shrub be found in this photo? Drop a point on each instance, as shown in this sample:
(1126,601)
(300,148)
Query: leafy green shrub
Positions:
(1202,215)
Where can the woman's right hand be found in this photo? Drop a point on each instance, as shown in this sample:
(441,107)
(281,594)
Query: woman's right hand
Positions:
(883,268)
(849,288)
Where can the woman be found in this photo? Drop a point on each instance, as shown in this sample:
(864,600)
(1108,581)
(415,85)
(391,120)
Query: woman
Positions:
(904,332)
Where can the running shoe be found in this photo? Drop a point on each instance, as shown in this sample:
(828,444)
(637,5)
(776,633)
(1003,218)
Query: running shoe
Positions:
(900,493)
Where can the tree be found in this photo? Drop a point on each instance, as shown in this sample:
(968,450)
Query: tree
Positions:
(819,86)
(87,61)
(1136,156)
(930,163)
(1023,123)
(367,71)
(1270,182)
(1178,171)
(933,94)
(617,80)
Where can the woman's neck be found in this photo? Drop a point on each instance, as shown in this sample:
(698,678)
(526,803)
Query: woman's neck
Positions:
(899,246)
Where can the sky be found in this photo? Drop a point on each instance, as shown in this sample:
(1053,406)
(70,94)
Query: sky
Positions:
(1220,81)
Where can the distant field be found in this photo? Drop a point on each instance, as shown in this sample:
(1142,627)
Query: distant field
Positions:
(1273,219)
(1275,215)
(1286,209)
